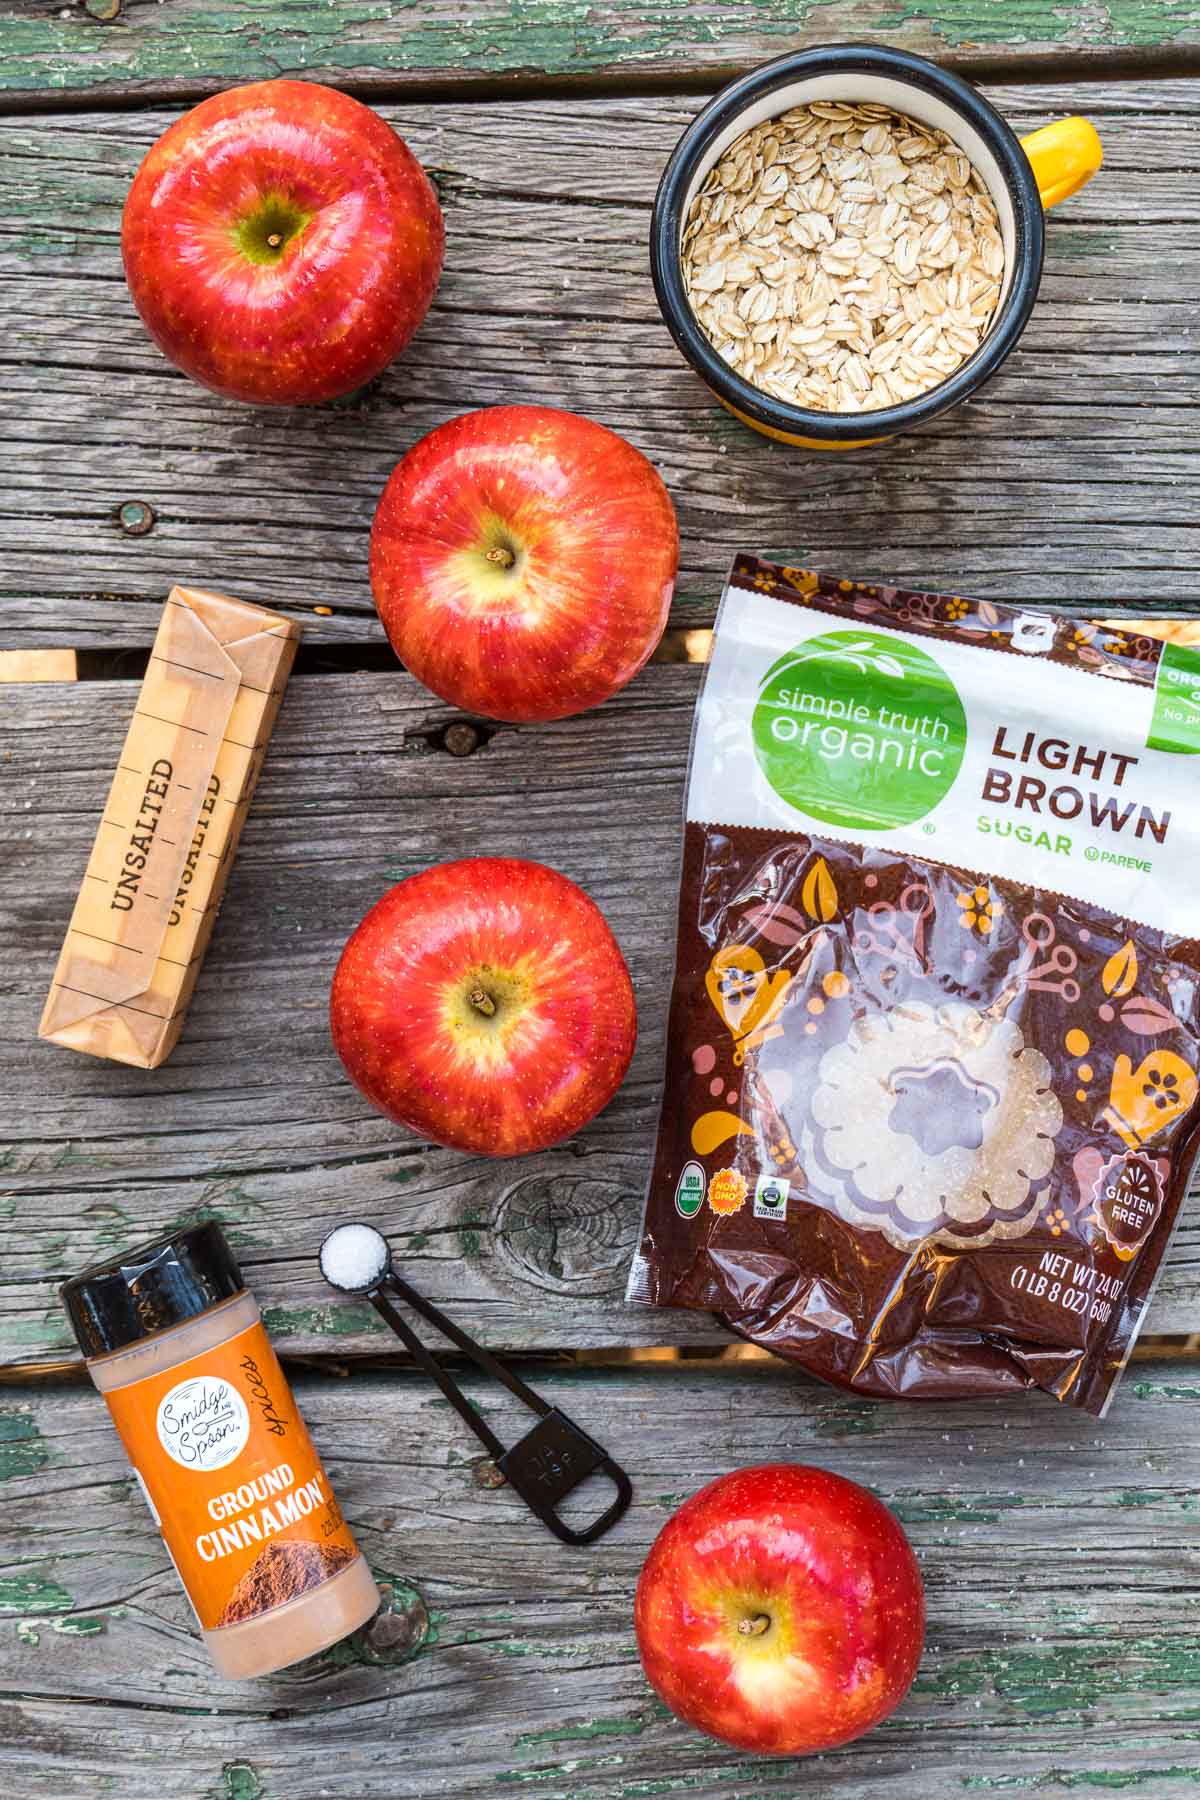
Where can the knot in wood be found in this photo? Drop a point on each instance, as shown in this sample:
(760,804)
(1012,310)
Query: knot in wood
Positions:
(568,1233)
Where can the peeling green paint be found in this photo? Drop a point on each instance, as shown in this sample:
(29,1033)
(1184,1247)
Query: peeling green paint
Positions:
(588,1728)
(555,1771)
(80,1625)
(549,1650)
(1160,1390)
(1128,23)
(113,1226)
(403,1629)
(50,1332)
(339,1319)
(965,1509)
(404,870)
(848,1418)
(28,1594)
(72,1625)
(69,1157)
(240,1781)
(470,1236)
(707,1781)
(23,1449)
(239,41)
(1065,244)
(1108,1780)
(246,1210)
(1172,1500)
(1069,1679)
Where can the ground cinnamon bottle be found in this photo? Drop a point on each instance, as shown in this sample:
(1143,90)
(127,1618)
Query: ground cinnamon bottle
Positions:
(175,1343)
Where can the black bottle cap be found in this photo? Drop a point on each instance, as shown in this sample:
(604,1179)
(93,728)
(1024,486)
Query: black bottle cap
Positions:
(149,1289)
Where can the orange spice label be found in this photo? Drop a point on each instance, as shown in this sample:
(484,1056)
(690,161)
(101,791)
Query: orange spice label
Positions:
(231,1476)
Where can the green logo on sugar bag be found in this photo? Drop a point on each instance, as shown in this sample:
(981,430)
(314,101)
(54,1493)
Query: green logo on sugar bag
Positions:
(859,730)
(1175,722)
(689,1190)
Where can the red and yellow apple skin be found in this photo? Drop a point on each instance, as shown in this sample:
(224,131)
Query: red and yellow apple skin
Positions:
(781,1610)
(486,1005)
(523,561)
(281,243)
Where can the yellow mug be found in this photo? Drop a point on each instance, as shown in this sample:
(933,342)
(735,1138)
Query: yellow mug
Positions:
(1023,177)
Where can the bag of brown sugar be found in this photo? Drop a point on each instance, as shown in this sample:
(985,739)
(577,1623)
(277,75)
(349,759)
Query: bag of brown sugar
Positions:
(931,1095)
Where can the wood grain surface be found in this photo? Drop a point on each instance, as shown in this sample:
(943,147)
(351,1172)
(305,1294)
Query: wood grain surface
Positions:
(1060,1564)
(1067,479)
(1059,1553)
(120,49)
(252,1121)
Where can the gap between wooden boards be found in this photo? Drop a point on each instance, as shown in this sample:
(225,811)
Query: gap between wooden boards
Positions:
(1036,69)
(1152,1347)
(679,645)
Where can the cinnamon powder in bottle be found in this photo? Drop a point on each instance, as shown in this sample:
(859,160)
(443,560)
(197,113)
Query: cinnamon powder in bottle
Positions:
(176,1345)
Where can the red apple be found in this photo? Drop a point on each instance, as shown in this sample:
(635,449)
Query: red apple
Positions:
(485,1004)
(523,560)
(781,1610)
(281,243)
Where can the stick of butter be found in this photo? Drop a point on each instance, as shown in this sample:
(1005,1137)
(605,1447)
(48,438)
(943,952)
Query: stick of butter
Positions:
(174,814)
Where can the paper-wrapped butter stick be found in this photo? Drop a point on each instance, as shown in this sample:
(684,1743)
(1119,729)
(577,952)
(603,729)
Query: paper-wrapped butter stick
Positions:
(170,827)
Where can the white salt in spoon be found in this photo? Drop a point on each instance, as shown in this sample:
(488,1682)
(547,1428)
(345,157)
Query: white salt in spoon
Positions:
(355,1258)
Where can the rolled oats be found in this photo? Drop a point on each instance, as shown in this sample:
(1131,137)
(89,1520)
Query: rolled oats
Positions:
(844,258)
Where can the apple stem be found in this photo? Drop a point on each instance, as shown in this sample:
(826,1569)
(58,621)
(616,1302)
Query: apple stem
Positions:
(275,239)
(482,1001)
(501,556)
(754,1627)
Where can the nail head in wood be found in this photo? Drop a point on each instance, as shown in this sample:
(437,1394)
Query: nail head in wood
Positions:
(399,1628)
(136,517)
(461,738)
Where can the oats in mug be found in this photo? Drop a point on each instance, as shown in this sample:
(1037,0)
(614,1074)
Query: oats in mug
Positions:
(844,258)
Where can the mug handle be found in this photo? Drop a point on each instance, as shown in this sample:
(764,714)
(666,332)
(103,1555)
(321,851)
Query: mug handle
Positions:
(1065,156)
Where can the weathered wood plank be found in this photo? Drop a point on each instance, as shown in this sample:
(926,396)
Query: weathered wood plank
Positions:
(1072,476)
(1060,1564)
(106,49)
(251,1120)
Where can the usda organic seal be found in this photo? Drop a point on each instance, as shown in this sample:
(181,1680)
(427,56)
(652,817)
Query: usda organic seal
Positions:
(689,1190)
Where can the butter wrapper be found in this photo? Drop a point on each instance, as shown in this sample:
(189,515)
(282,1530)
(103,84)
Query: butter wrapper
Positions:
(170,828)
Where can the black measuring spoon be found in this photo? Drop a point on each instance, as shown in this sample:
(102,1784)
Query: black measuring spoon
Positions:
(544,1466)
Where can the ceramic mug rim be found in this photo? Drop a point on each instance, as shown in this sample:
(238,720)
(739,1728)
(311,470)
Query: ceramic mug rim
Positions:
(782,416)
